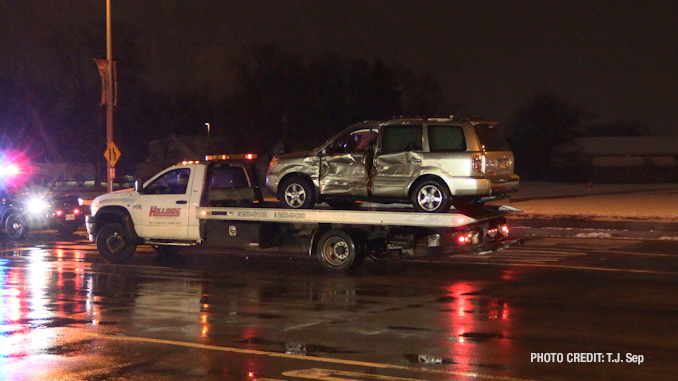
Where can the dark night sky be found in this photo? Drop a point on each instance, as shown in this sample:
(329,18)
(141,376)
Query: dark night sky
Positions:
(618,58)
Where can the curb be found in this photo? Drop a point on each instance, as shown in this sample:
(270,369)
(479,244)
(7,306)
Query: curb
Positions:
(577,227)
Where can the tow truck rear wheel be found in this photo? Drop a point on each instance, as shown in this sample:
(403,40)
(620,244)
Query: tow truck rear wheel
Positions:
(338,251)
(15,228)
(115,244)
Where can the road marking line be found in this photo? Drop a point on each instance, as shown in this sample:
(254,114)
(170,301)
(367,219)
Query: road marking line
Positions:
(568,267)
(331,375)
(300,357)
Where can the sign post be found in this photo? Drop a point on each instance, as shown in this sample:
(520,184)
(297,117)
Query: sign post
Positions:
(109,99)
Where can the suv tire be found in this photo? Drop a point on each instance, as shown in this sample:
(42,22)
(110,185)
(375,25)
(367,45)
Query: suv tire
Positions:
(296,193)
(431,196)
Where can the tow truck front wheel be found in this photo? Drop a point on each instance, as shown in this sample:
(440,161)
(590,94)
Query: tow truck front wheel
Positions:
(337,251)
(115,244)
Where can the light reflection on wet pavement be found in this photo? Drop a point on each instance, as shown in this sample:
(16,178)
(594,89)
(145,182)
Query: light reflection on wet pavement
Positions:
(64,313)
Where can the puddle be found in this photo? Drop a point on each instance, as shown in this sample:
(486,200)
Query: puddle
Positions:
(296,348)
(481,336)
(78,347)
(402,328)
(428,360)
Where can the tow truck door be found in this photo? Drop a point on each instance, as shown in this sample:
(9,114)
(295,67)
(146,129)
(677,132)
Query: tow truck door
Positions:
(166,207)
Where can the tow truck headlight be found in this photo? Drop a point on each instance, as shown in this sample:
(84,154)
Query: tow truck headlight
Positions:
(94,207)
(37,205)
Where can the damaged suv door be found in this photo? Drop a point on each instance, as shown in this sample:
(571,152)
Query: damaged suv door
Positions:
(346,164)
(398,160)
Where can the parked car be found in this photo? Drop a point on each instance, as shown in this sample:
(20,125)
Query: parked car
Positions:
(432,163)
(46,211)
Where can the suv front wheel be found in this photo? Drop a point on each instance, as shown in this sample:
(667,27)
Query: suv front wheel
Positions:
(431,196)
(296,193)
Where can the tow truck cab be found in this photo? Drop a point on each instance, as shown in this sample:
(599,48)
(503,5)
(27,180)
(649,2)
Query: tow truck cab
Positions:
(219,203)
(164,207)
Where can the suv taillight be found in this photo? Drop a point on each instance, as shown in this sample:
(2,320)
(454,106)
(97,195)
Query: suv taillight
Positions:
(479,163)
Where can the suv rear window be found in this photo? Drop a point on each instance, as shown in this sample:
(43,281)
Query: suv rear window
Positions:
(446,138)
(491,138)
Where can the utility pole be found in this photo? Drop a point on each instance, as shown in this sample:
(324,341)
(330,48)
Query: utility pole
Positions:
(110,170)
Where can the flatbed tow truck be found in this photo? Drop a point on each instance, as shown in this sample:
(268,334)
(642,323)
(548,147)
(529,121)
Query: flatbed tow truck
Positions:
(218,203)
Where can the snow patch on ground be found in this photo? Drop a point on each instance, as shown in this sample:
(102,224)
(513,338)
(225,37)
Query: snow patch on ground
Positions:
(594,235)
(642,202)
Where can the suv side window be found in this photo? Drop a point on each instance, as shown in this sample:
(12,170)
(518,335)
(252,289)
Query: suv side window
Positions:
(354,141)
(401,139)
(443,138)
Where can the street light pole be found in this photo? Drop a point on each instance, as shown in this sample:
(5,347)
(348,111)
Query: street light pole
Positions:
(110,170)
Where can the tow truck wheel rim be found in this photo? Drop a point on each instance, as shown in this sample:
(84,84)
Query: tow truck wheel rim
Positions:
(336,250)
(430,198)
(115,242)
(295,195)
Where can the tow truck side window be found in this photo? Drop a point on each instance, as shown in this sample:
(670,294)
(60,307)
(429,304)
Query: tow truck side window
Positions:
(172,182)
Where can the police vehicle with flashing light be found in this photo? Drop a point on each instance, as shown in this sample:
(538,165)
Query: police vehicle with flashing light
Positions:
(29,207)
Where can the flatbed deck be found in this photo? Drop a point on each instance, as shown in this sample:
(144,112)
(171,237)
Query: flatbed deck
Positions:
(357,217)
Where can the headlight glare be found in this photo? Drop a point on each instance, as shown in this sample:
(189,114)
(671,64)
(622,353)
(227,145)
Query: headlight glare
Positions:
(37,205)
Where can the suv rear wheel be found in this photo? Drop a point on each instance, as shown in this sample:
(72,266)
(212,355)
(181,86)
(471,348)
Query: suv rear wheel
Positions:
(431,196)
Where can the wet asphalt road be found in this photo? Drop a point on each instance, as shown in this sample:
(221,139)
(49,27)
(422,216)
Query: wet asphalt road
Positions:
(66,314)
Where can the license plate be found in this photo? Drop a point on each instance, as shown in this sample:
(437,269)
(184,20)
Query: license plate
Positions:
(70,217)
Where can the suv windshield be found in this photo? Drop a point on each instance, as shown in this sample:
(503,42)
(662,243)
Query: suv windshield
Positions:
(491,138)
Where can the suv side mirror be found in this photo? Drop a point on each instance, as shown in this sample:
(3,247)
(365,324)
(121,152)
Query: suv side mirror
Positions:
(138,185)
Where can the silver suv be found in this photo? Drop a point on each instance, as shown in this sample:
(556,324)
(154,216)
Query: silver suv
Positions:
(432,163)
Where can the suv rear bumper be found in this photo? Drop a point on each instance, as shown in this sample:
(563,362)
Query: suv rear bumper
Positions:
(484,187)
(503,188)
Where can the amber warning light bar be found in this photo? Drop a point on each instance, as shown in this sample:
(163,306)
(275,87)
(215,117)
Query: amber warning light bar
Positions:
(237,156)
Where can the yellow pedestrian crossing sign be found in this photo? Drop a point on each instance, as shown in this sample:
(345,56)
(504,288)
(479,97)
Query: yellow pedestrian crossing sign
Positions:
(112,154)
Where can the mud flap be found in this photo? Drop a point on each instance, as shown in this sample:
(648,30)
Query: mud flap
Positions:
(394,260)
